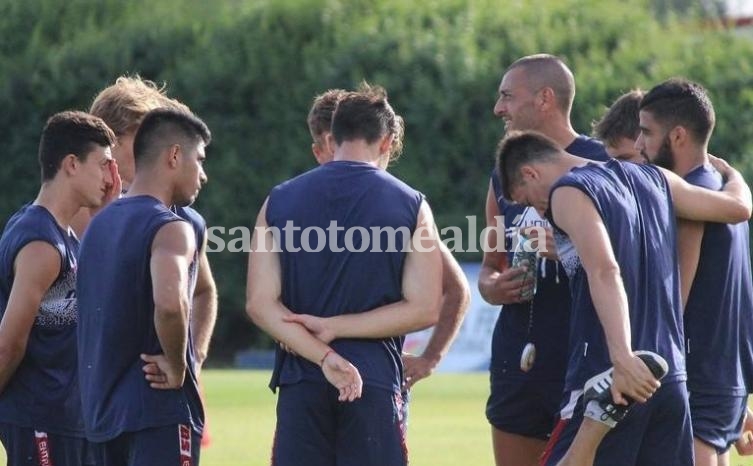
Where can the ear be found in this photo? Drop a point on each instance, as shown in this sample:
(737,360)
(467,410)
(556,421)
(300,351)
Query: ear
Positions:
(386,144)
(69,165)
(527,171)
(317,151)
(546,98)
(679,136)
(173,155)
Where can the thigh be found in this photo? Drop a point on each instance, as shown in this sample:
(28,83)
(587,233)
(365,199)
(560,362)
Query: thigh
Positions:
(370,431)
(306,425)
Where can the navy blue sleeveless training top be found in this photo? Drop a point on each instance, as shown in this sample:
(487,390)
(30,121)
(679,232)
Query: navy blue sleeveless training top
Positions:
(358,198)
(635,205)
(43,393)
(719,297)
(551,305)
(117,325)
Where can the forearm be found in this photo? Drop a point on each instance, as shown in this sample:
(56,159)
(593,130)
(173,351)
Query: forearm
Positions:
(268,316)
(392,320)
(610,301)
(171,326)
(487,280)
(203,319)
(450,318)
(455,301)
(10,358)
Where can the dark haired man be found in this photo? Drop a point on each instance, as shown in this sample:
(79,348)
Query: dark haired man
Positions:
(137,261)
(360,301)
(676,122)
(40,403)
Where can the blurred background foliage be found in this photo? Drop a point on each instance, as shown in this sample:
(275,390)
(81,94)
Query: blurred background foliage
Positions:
(251,68)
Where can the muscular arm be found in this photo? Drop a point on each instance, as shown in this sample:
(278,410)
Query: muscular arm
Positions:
(204,310)
(421,287)
(497,282)
(456,297)
(36,267)
(265,308)
(576,215)
(731,205)
(264,296)
(689,237)
(173,248)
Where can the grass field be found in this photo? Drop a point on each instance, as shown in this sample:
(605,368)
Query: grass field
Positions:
(447,426)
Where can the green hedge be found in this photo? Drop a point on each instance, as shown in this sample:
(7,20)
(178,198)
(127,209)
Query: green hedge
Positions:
(250,69)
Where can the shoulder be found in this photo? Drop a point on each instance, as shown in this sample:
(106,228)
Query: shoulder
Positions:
(192,216)
(588,147)
(705,177)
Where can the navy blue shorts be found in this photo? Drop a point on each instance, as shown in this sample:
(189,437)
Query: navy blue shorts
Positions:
(523,406)
(315,429)
(174,445)
(717,419)
(656,433)
(25,446)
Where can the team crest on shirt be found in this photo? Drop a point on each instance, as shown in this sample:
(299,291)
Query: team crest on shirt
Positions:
(59,305)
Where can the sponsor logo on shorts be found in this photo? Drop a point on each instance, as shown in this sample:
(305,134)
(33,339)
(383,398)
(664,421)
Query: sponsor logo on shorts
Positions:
(184,439)
(43,448)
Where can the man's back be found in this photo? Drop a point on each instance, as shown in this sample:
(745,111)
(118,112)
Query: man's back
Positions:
(355,198)
(634,203)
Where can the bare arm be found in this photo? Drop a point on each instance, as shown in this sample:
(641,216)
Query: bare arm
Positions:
(173,248)
(204,310)
(455,300)
(422,294)
(689,237)
(576,215)
(37,266)
(497,282)
(265,308)
(731,205)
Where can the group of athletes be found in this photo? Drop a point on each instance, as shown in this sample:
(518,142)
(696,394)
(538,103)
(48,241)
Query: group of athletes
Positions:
(630,347)
(102,340)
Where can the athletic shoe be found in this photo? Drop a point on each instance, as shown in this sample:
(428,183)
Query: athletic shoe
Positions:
(597,396)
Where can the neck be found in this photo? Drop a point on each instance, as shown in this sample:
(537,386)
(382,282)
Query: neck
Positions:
(59,202)
(151,184)
(685,163)
(560,130)
(360,151)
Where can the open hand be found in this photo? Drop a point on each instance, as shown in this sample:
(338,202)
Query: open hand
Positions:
(343,375)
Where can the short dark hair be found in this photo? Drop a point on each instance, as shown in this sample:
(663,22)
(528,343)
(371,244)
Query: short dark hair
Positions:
(70,132)
(679,102)
(620,120)
(517,149)
(366,114)
(320,114)
(166,126)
